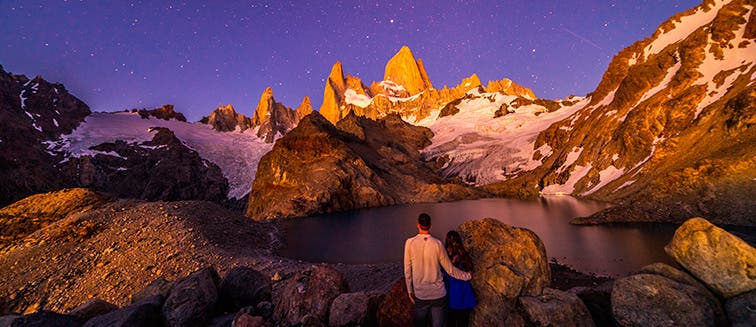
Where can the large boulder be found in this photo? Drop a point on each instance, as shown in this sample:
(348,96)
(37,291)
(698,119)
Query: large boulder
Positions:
(509,262)
(144,313)
(395,309)
(192,300)
(661,295)
(243,287)
(556,308)
(308,295)
(354,309)
(723,261)
(741,309)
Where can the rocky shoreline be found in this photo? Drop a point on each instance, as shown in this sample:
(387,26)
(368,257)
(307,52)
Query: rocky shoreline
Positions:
(128,262)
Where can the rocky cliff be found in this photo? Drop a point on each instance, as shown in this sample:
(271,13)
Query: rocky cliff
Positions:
(160,169)
(32,111)
(319,168)
(669,132)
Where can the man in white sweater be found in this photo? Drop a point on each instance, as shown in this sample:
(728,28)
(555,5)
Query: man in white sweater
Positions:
(424,256)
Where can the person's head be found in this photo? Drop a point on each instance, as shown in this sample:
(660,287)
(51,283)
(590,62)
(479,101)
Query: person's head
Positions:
(453,240)
(424,222)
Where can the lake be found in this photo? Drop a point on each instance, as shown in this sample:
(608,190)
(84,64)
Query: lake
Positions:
(377,235)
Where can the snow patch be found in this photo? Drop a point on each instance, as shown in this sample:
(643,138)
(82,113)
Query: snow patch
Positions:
(606,176)
(671,72)
(360,100)
(567,188)
(571,158)
(628,183)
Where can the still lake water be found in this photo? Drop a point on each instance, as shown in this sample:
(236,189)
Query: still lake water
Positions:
(377,235)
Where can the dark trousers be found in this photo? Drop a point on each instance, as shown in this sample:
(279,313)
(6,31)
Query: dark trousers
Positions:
(433,311)
(459,318)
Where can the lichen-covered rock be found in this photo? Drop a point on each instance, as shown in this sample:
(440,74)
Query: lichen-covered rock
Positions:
(308,294)
(193,299)
(556,308)
(654,300)
(726,263)
(396,309)
(243,286)
(741,309)
(509,262)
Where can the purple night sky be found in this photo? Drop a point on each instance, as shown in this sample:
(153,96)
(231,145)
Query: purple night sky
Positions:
(124,54)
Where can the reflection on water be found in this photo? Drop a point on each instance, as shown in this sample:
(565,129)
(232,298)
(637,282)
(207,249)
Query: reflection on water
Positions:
(377,235)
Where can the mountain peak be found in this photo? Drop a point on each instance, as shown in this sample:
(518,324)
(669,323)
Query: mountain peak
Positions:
(304,109)
(404,70)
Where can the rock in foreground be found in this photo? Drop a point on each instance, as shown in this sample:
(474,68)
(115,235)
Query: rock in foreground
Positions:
(509,262)
(726,263)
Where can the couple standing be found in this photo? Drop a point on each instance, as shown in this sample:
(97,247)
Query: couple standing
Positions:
(424,256)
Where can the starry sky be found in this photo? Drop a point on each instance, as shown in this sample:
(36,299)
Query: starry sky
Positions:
(197,55)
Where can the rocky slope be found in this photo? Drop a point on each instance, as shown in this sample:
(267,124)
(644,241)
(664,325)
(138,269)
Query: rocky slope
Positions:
(359,163)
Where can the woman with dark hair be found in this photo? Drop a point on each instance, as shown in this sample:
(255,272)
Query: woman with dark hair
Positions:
(460,293)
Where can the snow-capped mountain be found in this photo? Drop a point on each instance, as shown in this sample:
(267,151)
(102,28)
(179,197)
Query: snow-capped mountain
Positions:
(667,132)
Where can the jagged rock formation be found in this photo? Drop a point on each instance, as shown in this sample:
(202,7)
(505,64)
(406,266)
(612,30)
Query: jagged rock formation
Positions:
(165,112)
(226,119)
(404,70)
(271,119)
(304,109)
(320,168)
(406,90)
(32,111)
(668,133)
(160,169)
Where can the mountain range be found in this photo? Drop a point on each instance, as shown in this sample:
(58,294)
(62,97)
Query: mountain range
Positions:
(667,134)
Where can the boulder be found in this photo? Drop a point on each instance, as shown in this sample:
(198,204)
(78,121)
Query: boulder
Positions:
(654,300)
(354,309)
(43,319)
(143,313)
(192,300)
(159,286)
(395,309)
(741,309)
(509,262)
(556,308)
(308,293)
(723,261)
(91,309)
(264,309)
(242,287)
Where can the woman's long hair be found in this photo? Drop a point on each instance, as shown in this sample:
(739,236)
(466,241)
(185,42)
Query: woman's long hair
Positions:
(456,250)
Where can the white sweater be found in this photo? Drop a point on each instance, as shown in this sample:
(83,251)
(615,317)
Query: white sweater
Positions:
(423,254)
